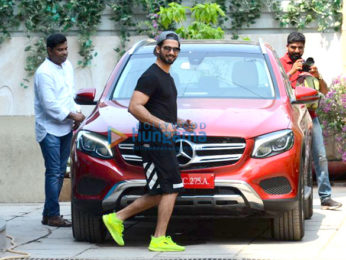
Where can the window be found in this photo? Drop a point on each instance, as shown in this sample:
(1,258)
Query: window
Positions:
(206,75)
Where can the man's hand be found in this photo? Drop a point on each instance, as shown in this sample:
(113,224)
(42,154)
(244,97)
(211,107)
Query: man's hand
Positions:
(297,66)
(77,117)
(168,129)
(314,72)
(188,125)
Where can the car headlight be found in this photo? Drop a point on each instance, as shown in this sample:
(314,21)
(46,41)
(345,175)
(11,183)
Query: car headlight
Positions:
(94,144)
(272,144)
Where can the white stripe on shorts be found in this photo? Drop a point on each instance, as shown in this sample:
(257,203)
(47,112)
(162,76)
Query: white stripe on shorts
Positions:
(178,185)
(153,181)
(150,169)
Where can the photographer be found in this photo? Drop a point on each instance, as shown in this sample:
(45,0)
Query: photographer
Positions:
(294,66)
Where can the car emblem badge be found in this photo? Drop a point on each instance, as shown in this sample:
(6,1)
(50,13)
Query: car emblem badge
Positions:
(185,152)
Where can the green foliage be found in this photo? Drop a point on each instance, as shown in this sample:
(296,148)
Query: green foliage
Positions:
(36,53)
(299,13)
(203,27)
(174,13)
(123,15)
(242,13)
(42,17)
(48,16)
(87,16)
(7,18)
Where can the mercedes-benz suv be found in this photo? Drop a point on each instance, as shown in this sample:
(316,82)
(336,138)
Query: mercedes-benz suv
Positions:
(250,154)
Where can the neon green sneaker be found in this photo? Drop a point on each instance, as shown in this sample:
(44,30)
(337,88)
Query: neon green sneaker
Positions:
(164,244)
(115,227)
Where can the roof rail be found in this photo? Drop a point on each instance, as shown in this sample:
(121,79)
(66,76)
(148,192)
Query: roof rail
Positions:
(140,44)
(261,44)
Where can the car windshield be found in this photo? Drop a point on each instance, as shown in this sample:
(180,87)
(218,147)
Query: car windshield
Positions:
(206,75)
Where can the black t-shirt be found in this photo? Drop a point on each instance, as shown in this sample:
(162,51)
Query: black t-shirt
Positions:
(160,88)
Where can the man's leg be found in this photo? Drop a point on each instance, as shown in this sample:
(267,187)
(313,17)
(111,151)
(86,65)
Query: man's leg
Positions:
(321,168)
(320,161)
(65,151)
(50,147)
(143,203)
(164,214)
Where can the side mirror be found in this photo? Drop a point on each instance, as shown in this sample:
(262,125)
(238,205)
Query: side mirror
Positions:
(86,96)
(305,95)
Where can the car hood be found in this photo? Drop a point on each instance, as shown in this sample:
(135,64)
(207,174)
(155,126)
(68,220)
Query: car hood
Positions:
(216,117)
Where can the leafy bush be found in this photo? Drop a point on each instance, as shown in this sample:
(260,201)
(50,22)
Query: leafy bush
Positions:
(332,114)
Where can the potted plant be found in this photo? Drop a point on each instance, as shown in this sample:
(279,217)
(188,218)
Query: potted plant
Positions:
(332,116)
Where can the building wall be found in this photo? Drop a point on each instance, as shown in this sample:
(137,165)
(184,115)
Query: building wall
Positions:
(21,164)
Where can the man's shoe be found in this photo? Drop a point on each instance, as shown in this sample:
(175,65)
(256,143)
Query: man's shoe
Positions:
(57,221)
(115,227)
(44,220)
(164,244)
(330,204)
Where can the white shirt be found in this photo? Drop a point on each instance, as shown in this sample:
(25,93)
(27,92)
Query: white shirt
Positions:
(54,99)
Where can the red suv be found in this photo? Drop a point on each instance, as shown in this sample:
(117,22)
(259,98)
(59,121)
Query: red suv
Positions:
(250,155)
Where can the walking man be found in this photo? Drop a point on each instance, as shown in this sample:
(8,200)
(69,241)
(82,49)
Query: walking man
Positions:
(154,104)
(55,116)
(293,64)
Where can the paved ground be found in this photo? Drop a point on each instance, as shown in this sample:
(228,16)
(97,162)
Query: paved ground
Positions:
(325,236)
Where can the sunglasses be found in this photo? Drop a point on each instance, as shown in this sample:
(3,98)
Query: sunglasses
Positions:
(168,49)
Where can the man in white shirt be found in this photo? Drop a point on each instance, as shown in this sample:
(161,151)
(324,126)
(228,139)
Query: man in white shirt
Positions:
(56,114)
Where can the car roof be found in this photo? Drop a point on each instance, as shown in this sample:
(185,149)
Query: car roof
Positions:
(147,46)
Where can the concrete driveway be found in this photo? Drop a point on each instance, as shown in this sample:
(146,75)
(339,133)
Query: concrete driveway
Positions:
(325,236)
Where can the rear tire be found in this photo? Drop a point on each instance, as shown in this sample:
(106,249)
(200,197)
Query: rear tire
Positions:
(86,227)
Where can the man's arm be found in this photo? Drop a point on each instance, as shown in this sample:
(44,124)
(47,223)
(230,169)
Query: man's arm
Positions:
(323,85)
(137,109)
(48,99)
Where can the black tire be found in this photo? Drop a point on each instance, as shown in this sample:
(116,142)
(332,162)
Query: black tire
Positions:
(289,226)
(308,207)
(86,227)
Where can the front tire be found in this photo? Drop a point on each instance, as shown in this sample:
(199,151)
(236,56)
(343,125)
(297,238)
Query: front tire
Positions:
(86,227)
(289,226)
(308,207)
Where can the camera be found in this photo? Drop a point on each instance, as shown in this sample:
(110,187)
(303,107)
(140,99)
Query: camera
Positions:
(307,64)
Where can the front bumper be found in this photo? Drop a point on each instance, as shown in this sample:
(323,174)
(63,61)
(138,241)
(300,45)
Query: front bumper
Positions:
(244,197)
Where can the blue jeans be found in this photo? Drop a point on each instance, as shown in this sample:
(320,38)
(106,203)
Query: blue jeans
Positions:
(56,151)
(320,161)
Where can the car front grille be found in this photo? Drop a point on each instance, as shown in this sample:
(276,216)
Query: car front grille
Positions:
(203,152)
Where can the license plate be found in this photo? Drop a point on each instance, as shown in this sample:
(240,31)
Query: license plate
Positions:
(198,180)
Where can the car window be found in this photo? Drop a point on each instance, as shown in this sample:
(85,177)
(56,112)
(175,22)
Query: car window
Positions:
(288,86)
(206,75)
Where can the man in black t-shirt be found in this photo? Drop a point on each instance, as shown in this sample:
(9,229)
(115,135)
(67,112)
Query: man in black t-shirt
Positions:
(154,104)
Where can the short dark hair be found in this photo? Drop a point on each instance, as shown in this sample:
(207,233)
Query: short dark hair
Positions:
(295,37)
(55,39)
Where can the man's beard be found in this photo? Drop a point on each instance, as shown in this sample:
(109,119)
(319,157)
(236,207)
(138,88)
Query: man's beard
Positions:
(294,56)
(165,60)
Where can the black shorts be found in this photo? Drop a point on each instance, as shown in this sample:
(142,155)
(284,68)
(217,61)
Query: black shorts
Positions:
(161,168)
